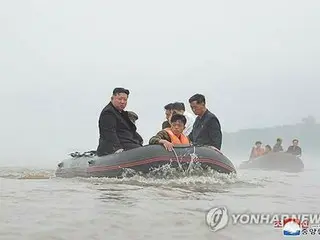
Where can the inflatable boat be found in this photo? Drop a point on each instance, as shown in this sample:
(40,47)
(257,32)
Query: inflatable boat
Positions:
(280,161)
(143,160)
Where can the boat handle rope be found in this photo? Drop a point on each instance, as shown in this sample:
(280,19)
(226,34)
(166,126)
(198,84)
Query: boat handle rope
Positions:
(192,156)
(176,155)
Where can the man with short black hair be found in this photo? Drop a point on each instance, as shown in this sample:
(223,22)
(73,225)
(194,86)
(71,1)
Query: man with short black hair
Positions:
(180,108)
(206,129)
(168,112)
(173,135)
(294,149)
(117,132)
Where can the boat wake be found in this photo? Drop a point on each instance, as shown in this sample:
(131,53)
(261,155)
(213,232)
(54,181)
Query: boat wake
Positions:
(195,180)
(192,177)
(188,176)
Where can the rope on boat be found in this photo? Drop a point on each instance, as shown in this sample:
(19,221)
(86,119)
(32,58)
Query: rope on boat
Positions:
(179,164)
(193,156)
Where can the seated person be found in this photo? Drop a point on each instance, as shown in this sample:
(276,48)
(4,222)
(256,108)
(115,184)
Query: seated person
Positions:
(133,116)
(278,146)
(267,149)
(117,132)
(169,137)
(168,112)
(179,107)
(257,150)
(294,148)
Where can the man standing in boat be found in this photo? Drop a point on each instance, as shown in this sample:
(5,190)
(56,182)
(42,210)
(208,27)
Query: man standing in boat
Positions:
(206,128)
(117,132)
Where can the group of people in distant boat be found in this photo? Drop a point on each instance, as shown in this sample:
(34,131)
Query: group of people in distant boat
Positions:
(258,150)
(118,131)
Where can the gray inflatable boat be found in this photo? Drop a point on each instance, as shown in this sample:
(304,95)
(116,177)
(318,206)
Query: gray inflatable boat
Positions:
(142,160)
(280,161)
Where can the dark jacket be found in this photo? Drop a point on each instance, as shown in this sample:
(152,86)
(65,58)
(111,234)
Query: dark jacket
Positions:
(294,150)
(160,135)
(116,131)
(206,131)
(277,148)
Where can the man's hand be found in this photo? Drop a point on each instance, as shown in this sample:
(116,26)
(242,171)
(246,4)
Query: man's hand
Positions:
(119,150)
(167,145)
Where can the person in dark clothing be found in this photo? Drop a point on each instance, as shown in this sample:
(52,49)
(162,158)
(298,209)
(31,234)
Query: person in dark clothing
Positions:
(168,111)
(133,116)
(206,128)
(117,132)
(294,148)
(278,147)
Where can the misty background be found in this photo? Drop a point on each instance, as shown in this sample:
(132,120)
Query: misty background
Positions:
(257,63)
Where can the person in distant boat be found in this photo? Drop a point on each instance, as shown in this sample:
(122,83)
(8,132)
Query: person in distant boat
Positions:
(294,148)
(117,132)
(179,107)
(168,113)
(267,149)
(257,150)
(206,129)
(169,137)
(278,146)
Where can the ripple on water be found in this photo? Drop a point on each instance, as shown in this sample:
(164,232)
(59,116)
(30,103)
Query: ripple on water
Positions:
(26,173)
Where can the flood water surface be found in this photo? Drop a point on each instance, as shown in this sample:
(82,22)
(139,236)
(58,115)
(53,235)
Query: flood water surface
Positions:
(35,205)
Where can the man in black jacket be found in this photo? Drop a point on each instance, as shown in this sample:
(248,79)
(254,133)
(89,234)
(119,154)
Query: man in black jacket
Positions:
(206,128)
(294,148)
(117,132)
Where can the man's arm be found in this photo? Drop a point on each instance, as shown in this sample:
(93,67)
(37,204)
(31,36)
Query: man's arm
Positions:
(162,135)
(189,125)
(215,133)
(108,124)
(165,124)
(140,139)
(188,129)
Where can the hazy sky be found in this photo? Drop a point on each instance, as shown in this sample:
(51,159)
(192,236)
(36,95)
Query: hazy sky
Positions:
(257,62)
